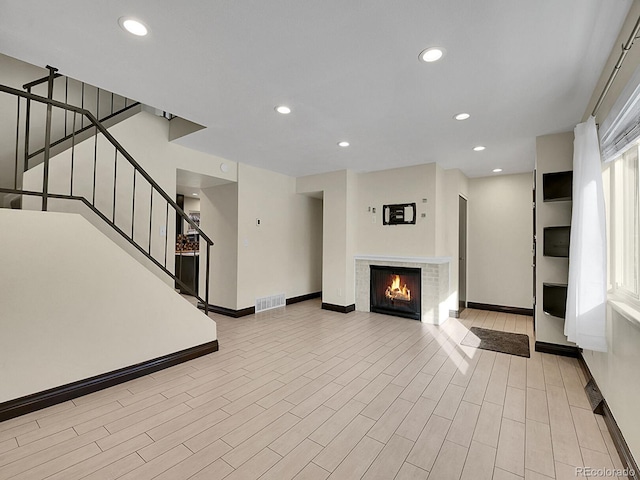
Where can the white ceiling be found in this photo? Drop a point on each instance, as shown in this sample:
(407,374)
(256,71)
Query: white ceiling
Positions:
(348,69)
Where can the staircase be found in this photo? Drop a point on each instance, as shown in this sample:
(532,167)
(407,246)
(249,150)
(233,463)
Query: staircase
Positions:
(126,198)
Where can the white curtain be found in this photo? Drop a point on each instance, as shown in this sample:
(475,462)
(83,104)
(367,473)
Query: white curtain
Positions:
(587,291)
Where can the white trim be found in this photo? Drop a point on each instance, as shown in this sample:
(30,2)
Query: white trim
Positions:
(626,310)
(386,258)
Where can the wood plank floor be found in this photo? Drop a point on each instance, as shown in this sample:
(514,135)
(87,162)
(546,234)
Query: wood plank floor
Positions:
(303,393)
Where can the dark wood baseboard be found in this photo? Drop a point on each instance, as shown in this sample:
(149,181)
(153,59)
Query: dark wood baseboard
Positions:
(243,312)
(555,349)
(63,393)
(501,308)
(620,443)
(229,312)
(454,314)
(626,457)
(304,298)
(339,308)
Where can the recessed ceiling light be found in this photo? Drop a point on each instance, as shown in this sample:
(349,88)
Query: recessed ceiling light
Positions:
(343,144)
(133,26)
(432,54)
(461,116)
(479,148)
(497,170)
(283,109)
(194,194)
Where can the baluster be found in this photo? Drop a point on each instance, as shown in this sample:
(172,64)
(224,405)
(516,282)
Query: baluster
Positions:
(66,100)
(47,141)
(115,178)
(82,104)
(180,270)
(133,203)
(166,235)
(95,165)
(15,179)
(206,293)
(73,151)
(26,132)
(193,265)
(150,216)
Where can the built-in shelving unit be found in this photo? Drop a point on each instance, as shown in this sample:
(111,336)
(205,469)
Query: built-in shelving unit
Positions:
(554,299)
(556,241)
(557,186)
(553,205)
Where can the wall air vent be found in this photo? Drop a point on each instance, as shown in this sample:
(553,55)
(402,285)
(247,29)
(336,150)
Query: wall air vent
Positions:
(267,303)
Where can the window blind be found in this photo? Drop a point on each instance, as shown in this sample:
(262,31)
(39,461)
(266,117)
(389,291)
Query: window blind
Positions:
(621,129)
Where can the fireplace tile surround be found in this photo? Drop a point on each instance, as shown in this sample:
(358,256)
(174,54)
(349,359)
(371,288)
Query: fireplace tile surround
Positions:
(435,283)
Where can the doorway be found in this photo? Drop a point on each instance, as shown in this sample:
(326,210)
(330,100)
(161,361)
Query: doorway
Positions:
(462,254)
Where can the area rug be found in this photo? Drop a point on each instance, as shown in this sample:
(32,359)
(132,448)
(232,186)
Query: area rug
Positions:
(503,342)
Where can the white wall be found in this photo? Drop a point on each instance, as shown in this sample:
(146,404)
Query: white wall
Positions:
(89,320)
(145,137)
(616,373)
(339,221)
(456,185)
(13,73)
(304,273)
(399,185)
(554,153)
(441,245)
(351,227)
(500,236)
(219,217)
(282,254)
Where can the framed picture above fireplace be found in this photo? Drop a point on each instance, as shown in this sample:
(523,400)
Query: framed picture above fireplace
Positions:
(399,214)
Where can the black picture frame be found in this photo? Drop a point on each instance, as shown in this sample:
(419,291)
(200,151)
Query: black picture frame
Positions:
(396,214)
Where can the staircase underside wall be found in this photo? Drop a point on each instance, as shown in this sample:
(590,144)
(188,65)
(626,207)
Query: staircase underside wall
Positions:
(75,305)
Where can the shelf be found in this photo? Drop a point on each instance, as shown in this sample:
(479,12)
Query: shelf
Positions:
(557,186)
(556,241)
(554,299)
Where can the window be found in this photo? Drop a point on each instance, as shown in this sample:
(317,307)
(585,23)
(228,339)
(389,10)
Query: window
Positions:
(621,183)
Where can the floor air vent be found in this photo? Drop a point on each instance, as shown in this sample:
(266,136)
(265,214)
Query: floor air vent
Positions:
(267,303)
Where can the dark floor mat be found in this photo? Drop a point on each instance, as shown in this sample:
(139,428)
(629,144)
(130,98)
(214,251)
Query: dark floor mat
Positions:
(503,342)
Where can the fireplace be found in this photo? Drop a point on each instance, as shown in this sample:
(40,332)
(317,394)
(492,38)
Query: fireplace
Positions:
(396,291)
(435,289)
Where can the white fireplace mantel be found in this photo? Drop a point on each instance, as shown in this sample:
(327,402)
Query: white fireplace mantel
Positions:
(386,258)
(434,286)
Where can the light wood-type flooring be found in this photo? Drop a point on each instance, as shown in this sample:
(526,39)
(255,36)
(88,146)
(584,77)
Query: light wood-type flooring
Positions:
(303,393)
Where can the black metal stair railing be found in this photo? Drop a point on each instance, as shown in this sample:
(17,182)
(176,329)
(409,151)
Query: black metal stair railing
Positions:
(123,199)
(103,104)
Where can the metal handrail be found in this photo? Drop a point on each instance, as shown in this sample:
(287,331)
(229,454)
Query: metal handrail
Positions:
(99,128)
(40,81)
(54,75)
(80,130)
(114,142)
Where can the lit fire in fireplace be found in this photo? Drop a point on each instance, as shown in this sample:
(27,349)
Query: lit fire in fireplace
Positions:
(395,292)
